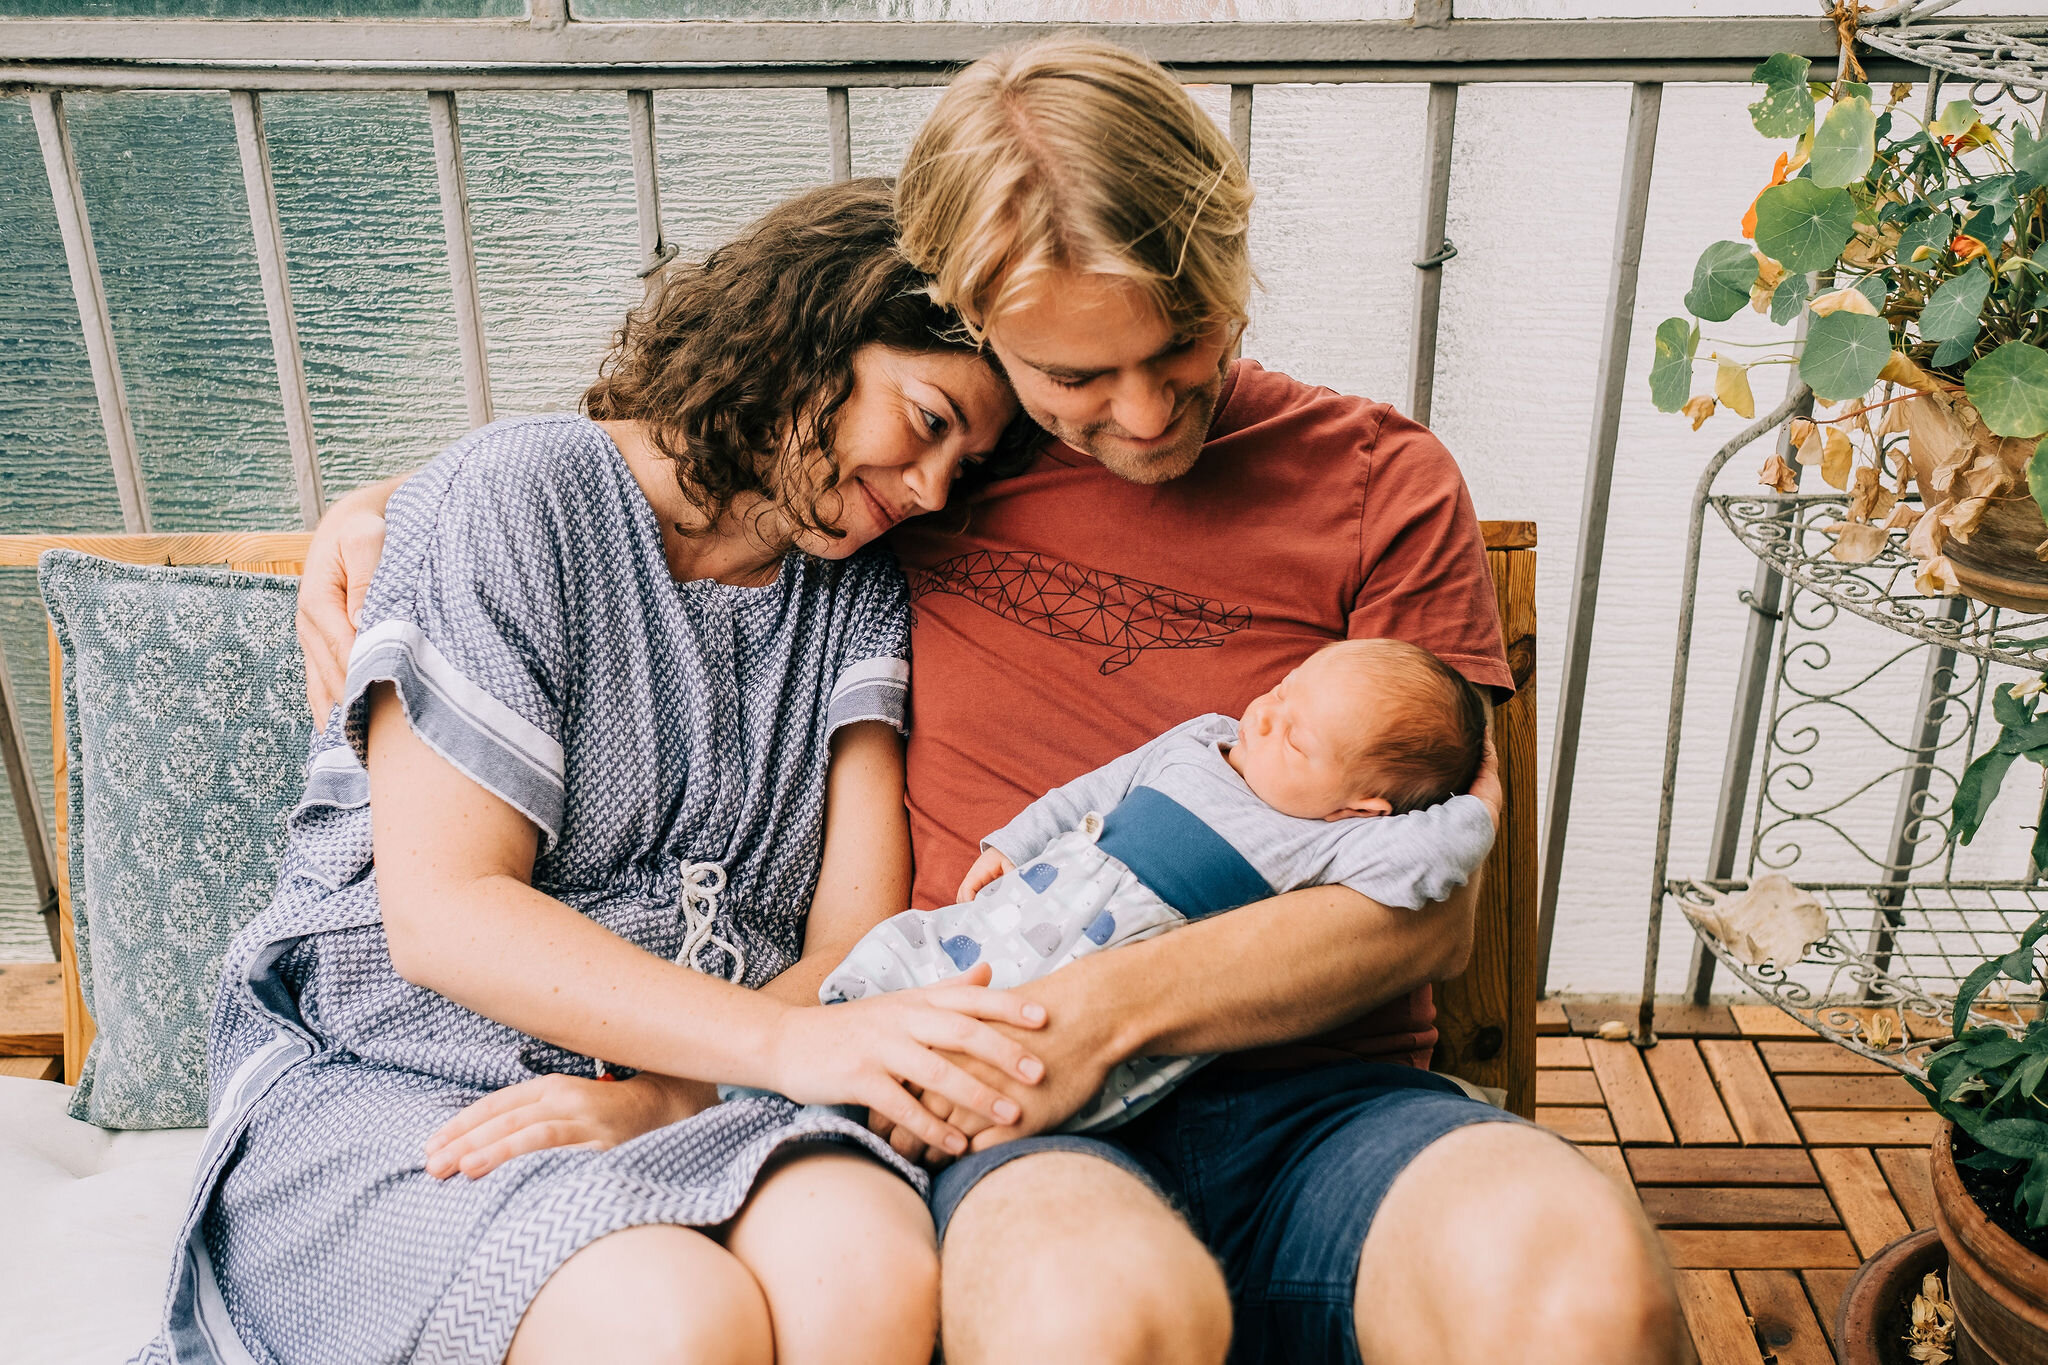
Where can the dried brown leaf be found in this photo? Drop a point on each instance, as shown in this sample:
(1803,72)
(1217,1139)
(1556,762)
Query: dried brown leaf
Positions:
(1837,456)
(1902,369)
(1856,542)
(1940,445)
(1869,499)
(1699,409)
(1904,517)
(1964,518)
(1894,419)
(1779,475)
(1731,386)
(1844,301)
(1987,481)
(1930,533)
(1937,577)
(1769,275)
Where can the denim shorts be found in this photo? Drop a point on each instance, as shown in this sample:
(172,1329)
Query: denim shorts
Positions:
(1279,1173)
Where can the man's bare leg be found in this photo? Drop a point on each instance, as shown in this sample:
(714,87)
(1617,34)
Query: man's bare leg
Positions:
(1500,1243)
(1060,1256)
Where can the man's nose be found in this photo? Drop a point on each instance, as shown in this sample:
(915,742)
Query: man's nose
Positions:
(1143,406)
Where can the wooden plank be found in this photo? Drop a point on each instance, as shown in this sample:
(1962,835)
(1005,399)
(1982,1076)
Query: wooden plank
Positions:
(1791,1059)
(31,1009)
(1867,1128)
(1631,1099)
(1722,1166)
(1688,1093)
(1825,1289)
(1578,1125)
(1707,1206)
(21,552)
(1746,1089)
(1715,1317)
(1905,1170)
(1865,1202)
(1671,1021)
(1567,1087)
(1784,1321)
(1550,1016)
(1562,1053)
(1849,1092)
(33,1068)
(1508,535)
(1768,1021)
(1759,1249)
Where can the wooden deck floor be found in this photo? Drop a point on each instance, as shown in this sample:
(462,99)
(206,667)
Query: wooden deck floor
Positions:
(1771,1162)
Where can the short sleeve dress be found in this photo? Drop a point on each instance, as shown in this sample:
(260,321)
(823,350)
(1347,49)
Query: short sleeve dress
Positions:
(669,740)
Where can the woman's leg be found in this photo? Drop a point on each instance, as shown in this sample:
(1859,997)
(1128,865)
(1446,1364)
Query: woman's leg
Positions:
(843,1248)
(654,1295)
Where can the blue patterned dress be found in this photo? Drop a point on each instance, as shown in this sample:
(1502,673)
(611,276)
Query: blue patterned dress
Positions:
(663,737)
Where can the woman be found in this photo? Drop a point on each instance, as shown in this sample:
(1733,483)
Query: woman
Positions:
(615,780)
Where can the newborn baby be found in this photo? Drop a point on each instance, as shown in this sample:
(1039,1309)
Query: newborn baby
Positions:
(1350,772)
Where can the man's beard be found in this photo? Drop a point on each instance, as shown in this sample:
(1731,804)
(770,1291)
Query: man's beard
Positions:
(1103,442)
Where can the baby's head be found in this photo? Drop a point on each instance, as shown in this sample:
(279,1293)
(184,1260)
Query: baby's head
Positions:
(1362,727)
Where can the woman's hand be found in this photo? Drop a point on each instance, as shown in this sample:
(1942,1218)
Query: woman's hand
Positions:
(868,1051)
(989,866)
(339,563)
(560,1111)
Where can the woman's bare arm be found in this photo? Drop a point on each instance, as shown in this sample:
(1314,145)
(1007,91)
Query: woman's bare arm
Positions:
(339,563)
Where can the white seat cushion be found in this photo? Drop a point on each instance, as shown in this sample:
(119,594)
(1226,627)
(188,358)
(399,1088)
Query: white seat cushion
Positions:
(88,1219)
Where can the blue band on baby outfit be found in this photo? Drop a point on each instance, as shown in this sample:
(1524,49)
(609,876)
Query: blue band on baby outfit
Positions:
(1179,859)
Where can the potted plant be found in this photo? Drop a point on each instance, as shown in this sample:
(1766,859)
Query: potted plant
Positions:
(1917,256)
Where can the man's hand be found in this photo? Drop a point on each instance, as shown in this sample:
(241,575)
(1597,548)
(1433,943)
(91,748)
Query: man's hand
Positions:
(339,563)
(1486,782)
(989,866)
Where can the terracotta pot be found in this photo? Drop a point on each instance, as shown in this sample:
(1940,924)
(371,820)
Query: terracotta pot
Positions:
(1998,1287)
(1876,1311)
(1998,564)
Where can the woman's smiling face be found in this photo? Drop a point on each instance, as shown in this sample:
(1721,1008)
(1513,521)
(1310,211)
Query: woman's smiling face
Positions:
(913,421)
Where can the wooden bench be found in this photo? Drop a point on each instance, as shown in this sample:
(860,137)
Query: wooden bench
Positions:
(1487,1016)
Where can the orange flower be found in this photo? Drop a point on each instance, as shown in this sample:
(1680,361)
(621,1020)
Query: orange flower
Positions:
(1778,174)
(1965,247)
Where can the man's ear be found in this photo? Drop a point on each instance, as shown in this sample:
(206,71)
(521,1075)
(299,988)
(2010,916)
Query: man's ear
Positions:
(1362,808)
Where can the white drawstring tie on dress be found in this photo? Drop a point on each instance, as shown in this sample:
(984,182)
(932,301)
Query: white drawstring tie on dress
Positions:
(703,884)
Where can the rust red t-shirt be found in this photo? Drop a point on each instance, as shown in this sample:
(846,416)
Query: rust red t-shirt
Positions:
(1077,616)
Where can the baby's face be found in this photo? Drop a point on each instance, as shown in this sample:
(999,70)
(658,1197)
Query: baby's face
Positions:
(1293,741)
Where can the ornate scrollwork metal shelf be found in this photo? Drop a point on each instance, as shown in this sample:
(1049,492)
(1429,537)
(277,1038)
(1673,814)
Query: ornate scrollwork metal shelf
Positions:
(1790,534)
(1894,951)
(2011,59)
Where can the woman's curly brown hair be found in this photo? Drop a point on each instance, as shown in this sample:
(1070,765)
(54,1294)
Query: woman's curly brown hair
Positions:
(738,366)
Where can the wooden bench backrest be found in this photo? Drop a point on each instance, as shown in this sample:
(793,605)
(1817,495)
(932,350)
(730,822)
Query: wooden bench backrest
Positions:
(1487,1017)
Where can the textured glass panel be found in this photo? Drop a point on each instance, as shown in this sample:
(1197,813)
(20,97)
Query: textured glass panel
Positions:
(24,636)
(170,219)
(264,9)
(727,156)
(997,11)
(883,123)
(369,270)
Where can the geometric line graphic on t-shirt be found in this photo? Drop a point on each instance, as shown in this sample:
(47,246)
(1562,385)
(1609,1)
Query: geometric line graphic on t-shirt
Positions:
(1073,602)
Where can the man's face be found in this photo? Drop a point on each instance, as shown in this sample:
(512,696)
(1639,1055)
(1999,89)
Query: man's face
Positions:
(1095,364)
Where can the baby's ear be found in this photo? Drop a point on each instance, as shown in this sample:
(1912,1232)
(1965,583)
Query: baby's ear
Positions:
(1361,808)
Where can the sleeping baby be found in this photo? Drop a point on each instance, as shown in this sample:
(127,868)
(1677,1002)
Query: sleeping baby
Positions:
(1349,773)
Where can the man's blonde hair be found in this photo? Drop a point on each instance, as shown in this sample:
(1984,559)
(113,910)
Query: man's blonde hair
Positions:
(1067,153)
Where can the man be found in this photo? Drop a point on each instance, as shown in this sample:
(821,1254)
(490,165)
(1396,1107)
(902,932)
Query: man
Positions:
(1200,527)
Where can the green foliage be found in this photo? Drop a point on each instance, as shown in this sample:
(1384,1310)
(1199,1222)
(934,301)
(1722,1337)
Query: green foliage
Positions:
(2037,477)
(1789,300)
(1721,281)
(1671,370)
(1803,226)
(1786,110)
(2010,389)
(1952,309)
(1845,144)
(1957,117)
(1933,232)
(1844,352)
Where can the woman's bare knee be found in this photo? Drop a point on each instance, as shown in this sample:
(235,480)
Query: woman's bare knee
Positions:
(1061,1256)
(844,1252)
(654,1295)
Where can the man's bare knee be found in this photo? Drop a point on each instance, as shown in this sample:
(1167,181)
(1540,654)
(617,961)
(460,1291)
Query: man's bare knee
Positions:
(1060,1256)
(1500,1240)
(654,1295)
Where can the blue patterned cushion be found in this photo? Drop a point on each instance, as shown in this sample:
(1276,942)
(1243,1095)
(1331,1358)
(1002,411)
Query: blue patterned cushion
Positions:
(186,731)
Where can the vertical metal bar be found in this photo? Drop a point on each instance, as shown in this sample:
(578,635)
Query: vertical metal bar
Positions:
(839,124)
(1638,160)
(53,130)
(547,14)
(277,301)
(655,249)
(1241,123)
(1440,127)
(469,312)
(1431,13)
(28,804)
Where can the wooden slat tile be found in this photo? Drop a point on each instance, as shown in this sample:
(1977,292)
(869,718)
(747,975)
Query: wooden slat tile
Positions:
(1824,1288)
(1746,1089)
(33,1068)
(1579,1125)
(1766,1249)
(1715,1316)
(1670,1021)
(1784,1321)
(1849,1092)
(1787,1059)
(1707,1206)
(31,1009)
(1768,1021)
(1609,1160)
(1868,1210)
(1722,1166)
(1550,1018)
(1631,1099)
(1567,1087)
(1867,1127)
(1555,1053)
(1691,1101)
(1905,1170)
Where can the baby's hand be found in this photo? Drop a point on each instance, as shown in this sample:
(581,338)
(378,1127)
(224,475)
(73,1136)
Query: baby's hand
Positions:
(989,866)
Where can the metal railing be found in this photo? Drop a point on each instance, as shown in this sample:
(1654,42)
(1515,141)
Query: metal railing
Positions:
(550,50)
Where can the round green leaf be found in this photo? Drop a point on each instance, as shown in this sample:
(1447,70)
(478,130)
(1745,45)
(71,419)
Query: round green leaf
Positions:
(1789,299)
(1936,230)
(2037,477)
(1952,310)
(2010,389)
(1786,110)
(1957,117)
(1671,369)
(1721,281)
(1846,143)
(1803,226)
(1844,352)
